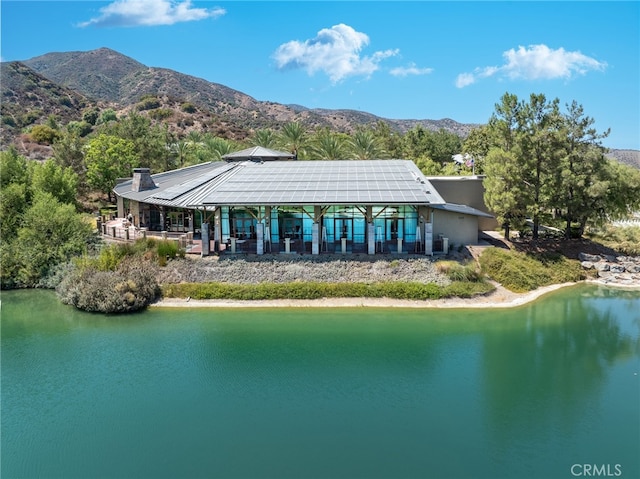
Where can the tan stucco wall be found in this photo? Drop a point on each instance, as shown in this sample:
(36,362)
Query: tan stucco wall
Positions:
(465,190)
(461,229)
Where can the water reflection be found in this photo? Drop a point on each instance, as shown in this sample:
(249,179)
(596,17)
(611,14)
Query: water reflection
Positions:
(321,392)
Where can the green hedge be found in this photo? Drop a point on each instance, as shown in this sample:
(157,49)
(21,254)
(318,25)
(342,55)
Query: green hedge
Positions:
(313,290)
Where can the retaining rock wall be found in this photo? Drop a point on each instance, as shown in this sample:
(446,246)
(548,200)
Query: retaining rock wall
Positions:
(624,270)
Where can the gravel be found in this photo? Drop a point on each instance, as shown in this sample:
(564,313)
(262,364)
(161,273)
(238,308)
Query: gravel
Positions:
(281,269)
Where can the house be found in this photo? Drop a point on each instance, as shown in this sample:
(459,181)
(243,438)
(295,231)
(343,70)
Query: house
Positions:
(264,201)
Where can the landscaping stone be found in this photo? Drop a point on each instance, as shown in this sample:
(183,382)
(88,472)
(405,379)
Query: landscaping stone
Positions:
(619,270)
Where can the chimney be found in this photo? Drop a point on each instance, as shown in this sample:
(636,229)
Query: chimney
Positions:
(142,180)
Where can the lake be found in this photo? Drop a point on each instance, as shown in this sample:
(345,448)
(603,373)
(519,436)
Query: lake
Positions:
(549,389)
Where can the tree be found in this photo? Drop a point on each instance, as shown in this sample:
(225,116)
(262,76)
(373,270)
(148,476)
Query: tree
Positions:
(328,145)
(183,151)
(364,145)
(505,194)
(582,169)
(477,144)
(52,233)
(13,203)
(428,166)
(265,138)
(151,142)
(109,158)
(68,152)
(44,134)
(539,146)
(295,138)
(390,141)
(13,167)
(215,148)
(61,183)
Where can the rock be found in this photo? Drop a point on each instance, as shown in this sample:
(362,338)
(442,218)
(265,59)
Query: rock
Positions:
(601,266)
(588,257)
(587,264)
(616,268)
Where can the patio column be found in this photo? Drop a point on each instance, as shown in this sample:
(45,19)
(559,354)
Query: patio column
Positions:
(217,229)
(315,237)
(205,239)
(260,238)
(371,233)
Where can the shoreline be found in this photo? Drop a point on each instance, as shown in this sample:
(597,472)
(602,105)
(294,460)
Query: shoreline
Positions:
(499,298)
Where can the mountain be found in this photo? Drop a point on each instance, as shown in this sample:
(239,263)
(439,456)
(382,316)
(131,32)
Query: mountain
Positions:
(66,84)
(628,157)
(107,75)
(28,98)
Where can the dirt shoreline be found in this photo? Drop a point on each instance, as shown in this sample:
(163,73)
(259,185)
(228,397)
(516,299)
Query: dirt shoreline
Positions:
(499,298)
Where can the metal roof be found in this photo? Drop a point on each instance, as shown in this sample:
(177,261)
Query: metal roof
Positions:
(464,209)
(326,183)
(258,153)
(380,182)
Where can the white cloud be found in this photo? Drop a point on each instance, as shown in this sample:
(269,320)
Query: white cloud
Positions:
(412,69)
(334,51)
(537,62)
(128,13)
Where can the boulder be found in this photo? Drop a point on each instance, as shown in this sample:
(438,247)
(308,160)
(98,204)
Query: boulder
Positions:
(588,257)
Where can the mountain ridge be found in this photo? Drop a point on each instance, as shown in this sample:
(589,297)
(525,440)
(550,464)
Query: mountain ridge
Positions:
(65,83)
(124,80)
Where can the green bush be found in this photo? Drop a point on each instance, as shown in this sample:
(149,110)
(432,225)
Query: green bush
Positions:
(519,272)
(161,113)
(188,107)
(315,290)
(148,103)
(44,134)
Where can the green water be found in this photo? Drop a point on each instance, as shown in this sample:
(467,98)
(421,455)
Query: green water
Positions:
(328,393)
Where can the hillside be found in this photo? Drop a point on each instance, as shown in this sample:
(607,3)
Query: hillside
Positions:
(107,75)
(628,157)
(65,84)
(28,98)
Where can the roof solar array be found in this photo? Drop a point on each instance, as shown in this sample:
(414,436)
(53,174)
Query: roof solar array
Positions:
(291,182)
(325,182)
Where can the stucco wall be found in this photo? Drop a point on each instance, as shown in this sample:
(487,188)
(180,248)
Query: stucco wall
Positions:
(465,190)
(459,228)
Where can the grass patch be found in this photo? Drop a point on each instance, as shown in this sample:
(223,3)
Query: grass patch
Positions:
(520,272)
(625,239)
(314,290)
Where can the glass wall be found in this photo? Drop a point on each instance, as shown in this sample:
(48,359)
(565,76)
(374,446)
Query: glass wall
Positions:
(338,222)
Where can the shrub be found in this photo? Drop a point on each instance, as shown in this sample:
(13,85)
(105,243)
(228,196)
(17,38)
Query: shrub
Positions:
(188,107)
(132,286)
(44,134)
(625,239)
(161,113)
(148,103)
(455,271)
(520,272)
(316,290)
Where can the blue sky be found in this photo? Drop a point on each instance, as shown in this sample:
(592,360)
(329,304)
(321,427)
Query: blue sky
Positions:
(406,60)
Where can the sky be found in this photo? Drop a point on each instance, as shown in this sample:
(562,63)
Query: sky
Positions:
(397,60)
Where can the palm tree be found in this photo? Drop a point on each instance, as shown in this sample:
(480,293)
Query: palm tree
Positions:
(265,138)
(215,148)
(181,151)
(329,145)
(294,137)
(364,145)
